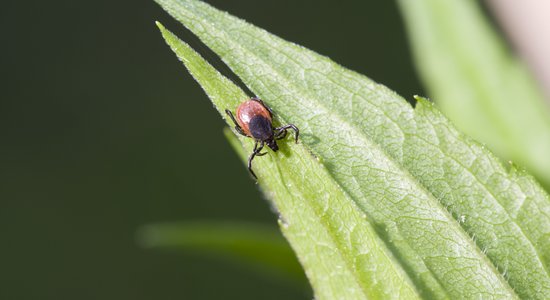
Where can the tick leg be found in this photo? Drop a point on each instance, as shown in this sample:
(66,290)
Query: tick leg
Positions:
(257,150)
(237,126)
(255,153)
(263,104)
(281,132)
(230,114)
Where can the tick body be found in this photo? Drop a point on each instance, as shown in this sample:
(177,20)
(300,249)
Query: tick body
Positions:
(254,119)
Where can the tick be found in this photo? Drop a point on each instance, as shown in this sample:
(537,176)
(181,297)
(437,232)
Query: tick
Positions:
(254,120)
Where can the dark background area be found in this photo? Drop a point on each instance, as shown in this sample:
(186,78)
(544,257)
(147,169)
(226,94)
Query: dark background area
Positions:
(103,130)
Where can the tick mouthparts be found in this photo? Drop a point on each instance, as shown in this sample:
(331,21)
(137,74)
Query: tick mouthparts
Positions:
(273,145)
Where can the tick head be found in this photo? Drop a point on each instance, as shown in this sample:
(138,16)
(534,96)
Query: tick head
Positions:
(271,143)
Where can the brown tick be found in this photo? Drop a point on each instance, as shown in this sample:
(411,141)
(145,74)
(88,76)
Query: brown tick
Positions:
(254,120)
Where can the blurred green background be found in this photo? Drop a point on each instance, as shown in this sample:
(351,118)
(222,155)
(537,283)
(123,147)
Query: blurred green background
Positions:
(103,131)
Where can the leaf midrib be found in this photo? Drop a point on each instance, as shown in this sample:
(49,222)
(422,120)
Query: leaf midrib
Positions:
(344,257)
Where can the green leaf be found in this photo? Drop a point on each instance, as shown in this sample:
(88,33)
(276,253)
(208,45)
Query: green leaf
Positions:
(380,200)
(346,264)
(479,85)
(256,245)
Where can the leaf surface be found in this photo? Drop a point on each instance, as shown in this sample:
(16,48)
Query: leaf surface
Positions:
(394,191)
(314,211)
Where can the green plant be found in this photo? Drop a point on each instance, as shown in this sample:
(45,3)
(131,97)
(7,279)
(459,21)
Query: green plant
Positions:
(380,200)
(478,84)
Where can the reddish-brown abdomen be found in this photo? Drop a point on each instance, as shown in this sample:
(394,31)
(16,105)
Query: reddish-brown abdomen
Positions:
(247,111)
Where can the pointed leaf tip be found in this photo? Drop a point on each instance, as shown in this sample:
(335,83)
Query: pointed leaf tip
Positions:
(425,186)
